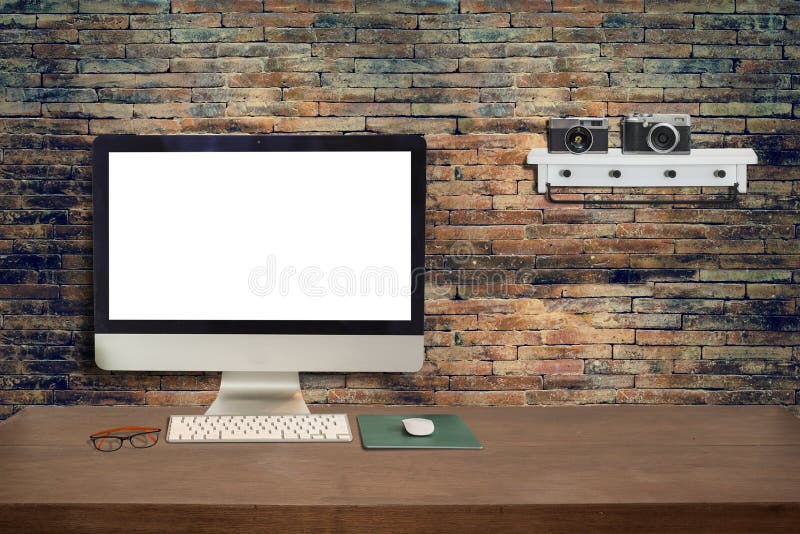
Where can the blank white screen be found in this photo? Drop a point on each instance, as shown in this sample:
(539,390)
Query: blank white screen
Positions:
(195,235)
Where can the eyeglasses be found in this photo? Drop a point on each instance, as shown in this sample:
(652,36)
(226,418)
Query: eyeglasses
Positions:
(142,437)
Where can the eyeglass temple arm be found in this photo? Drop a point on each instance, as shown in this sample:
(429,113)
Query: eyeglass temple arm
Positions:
(124,429)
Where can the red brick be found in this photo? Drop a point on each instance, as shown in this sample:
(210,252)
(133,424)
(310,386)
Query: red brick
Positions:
(698,290)
(319,124)
(509,173)
(627,367)
(180,398)
(631,352)
(713,382)
(451,322)
(480,398)
(215,6)
(492,383)
(689,6)
(82,21)
(478,187)
(452,157)
(500,338)
(273,79)
(480,232)
(20,396)
(771,291)
(410,126)
(438,339)
(379,396)
(310,5)
(538,246)
(487,6)
(102,398)
(563,20)
(763,338)
(612,6)
(492,217)
(220,125)
(750,367)
(471,368)
(142,126)
(662,396)
(588,382)
(752,397)
(587,335)
(530,322)
(636,320)
(684,305)
(460,202)
(537,367)
(114,382)
(470,306)
(404,382)
(510,125)
(566,396)
(634,246)
(549,231)
(667,337)
(440,354)
(695,246)
(190,383)
(28,291)
(567,352)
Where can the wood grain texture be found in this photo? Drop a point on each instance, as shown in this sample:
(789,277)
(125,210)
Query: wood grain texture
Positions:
(523,519)
(562,469)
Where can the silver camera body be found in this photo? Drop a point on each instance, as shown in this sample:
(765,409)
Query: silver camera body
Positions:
(656,133)
(577,135)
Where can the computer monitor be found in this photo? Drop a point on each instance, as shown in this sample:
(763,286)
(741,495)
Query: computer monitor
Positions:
(259,256)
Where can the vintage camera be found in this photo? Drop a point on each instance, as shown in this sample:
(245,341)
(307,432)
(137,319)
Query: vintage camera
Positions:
(664,133)
(577,135)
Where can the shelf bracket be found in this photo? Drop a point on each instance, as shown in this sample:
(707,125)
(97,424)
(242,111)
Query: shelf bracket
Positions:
(732,195)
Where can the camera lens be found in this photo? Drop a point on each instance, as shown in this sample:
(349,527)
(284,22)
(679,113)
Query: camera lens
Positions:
(578,139)
(663,138)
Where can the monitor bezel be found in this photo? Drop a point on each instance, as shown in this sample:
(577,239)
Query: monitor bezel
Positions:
(104,144)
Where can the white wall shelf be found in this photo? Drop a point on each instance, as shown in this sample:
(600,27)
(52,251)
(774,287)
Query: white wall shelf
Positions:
(704,167)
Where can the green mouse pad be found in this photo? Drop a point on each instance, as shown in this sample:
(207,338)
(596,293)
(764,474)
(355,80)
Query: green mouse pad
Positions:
(387,432)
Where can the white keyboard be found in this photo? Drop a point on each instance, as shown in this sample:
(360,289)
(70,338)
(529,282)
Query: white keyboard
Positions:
(259,428)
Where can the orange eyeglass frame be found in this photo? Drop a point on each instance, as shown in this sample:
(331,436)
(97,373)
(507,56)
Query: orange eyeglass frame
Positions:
(137,430)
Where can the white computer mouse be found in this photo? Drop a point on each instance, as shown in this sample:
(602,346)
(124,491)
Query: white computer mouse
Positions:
(417,426)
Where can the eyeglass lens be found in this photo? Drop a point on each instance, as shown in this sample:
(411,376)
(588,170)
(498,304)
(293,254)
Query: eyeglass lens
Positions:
(107,443)
(142,441)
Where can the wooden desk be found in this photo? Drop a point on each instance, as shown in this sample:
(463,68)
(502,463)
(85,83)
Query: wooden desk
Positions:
(558,469)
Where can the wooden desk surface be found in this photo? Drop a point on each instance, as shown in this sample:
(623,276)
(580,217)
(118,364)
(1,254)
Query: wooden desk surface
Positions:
(558,464)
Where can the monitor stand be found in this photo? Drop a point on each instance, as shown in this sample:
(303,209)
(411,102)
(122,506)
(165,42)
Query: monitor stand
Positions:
(244,393)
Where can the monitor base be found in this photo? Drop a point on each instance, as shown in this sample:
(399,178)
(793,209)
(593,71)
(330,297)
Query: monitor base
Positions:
(243,393)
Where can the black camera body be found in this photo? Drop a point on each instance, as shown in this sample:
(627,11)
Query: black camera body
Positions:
(577,135)
(659,133)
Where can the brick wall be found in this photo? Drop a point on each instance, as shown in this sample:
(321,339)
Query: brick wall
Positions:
(558,303)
